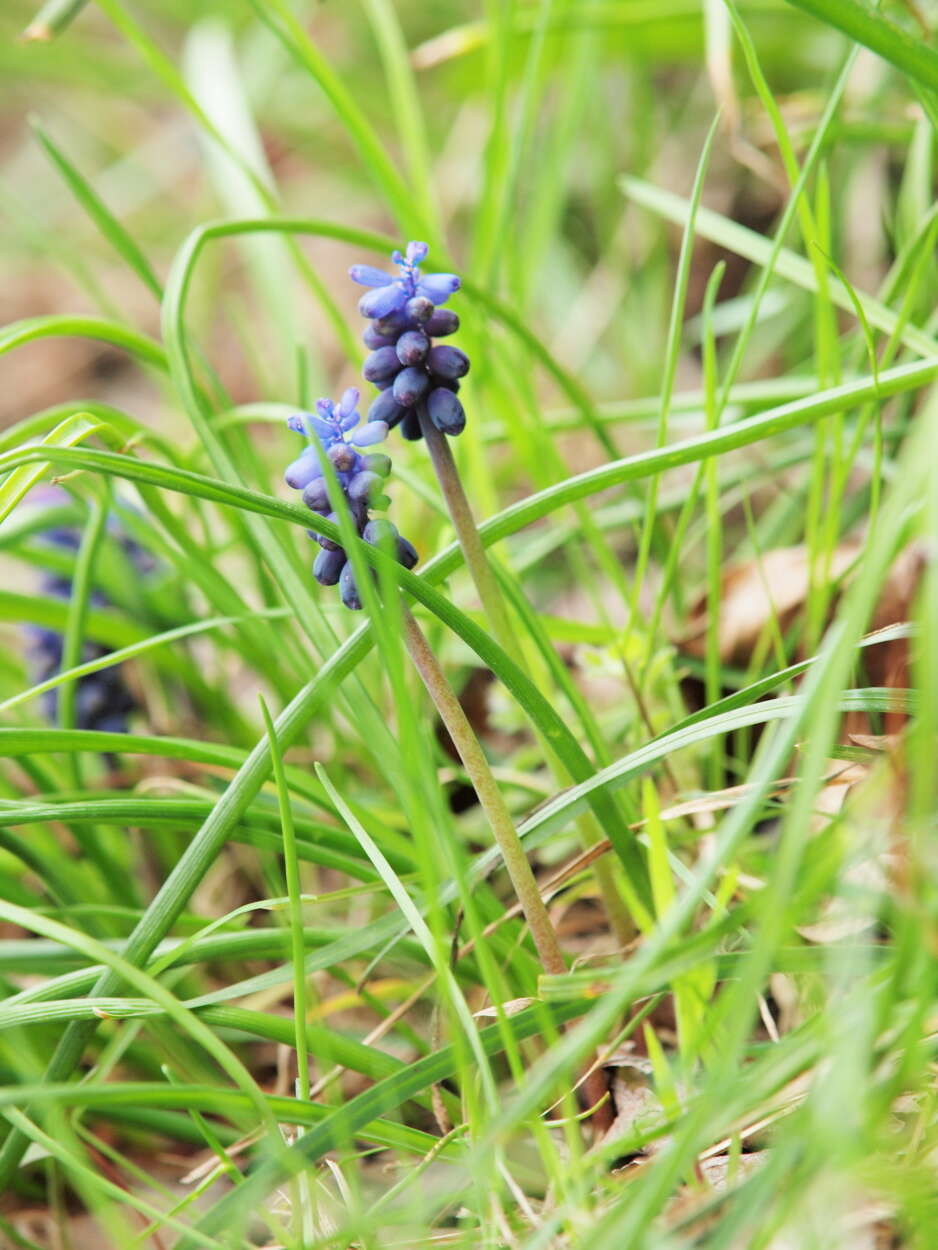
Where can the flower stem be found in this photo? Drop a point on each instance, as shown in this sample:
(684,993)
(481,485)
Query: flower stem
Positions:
(503,827)
(490,797)
(467,533)
(493,604)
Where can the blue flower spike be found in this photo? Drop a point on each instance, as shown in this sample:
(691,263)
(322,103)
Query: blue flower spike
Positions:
(360,475)
(103,700)
(415,377)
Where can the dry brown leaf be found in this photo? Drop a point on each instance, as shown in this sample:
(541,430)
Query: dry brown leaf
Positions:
(721,1171)
(637,1106)
(510,1008)
(876,742)
(775,585)
(843,917)
(887,663)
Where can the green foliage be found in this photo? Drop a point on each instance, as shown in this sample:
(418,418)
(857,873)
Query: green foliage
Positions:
(280,947)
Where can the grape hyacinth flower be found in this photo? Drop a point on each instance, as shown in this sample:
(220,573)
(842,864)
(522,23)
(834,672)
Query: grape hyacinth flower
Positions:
(103,701)
(414,375)
(360,476)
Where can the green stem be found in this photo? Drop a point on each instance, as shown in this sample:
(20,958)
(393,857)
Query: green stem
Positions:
(490,797)
(52,19)
(503,827)
(495,609)
(468,535)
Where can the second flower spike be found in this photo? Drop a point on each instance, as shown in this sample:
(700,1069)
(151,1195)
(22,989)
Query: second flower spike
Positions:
(360,476)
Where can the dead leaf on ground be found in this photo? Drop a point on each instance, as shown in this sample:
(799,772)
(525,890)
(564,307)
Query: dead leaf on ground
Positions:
(880,743)
(637,1106)
(887,664)
(510,1008)
(753,593)
(722,1171)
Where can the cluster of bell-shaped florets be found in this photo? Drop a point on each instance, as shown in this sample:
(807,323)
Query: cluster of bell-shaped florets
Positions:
(360,475)
(414,375)
(103,701)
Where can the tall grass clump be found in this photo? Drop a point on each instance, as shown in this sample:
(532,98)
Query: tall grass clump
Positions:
(506,817)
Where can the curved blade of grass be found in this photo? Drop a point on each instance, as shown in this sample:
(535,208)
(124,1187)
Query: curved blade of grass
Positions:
(438,959)
(557,812)
(901,379)
(671,360)
(345,1121)
(69,432)
(131,652)
(405,101)
(127,426)
(317,845)
(226,1102)
(144,349)
(123,970)
(788,264)
(278,17)
(119,238)
(93,1180)
(912,56)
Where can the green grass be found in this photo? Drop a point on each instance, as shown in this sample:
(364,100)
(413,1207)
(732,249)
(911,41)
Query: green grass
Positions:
(249,957)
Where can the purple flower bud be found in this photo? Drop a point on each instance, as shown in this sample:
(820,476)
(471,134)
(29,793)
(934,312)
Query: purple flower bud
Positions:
(348,590)
(378,463)
(302,471)
(359,477)
(325,542)
(437,287)
(386,408)
(346,408)
(295,423)
(373,340)
(443,322)
(316,496)
(417,252)
(392,325)
(368,435)
(412,346)
(445,411)
(419,309)
(362,485)
(323,427)
(381,365)
(328,565)
(368,275)
(447,362)
(382,300)
(380,531)
(406,553)
(410,427)
(343,457)
(410,385)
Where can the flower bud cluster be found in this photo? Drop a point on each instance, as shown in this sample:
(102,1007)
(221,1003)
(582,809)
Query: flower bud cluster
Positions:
(413,374)
(102,700)
(360,475)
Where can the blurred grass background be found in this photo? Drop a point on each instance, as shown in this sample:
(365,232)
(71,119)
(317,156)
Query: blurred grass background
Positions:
(769,1022)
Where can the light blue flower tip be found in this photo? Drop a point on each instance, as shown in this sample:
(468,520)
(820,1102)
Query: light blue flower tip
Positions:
(368,275)
(368,435)
(417,252)
(349,401)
